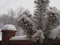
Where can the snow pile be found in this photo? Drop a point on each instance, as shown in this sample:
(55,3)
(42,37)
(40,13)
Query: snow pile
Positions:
(38,36)
(19,38)
(55,33)
(9,27)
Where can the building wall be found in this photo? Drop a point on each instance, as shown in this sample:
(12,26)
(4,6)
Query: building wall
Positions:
(21,42)
(6,35)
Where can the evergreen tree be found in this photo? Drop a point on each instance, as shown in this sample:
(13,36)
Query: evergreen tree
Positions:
(40,12)
(25,22)
(52,21)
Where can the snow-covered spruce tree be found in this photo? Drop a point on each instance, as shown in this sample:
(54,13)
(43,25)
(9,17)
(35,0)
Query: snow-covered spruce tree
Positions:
(24,21)
(40,12)
(53,20)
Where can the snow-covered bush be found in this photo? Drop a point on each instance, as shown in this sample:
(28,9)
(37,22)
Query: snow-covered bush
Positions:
(52,19)
(55,33)
(38,36)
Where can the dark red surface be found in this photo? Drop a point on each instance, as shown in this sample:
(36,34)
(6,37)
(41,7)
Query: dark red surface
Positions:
(6,35)
(21,42)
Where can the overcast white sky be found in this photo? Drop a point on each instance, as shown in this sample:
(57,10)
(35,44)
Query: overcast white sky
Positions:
(28,4)
(14,4)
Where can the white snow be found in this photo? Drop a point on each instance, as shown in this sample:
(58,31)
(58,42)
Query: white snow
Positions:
(9,27)
(25,17)
(55,10)
(19,38)
(38,35)
(55,33)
